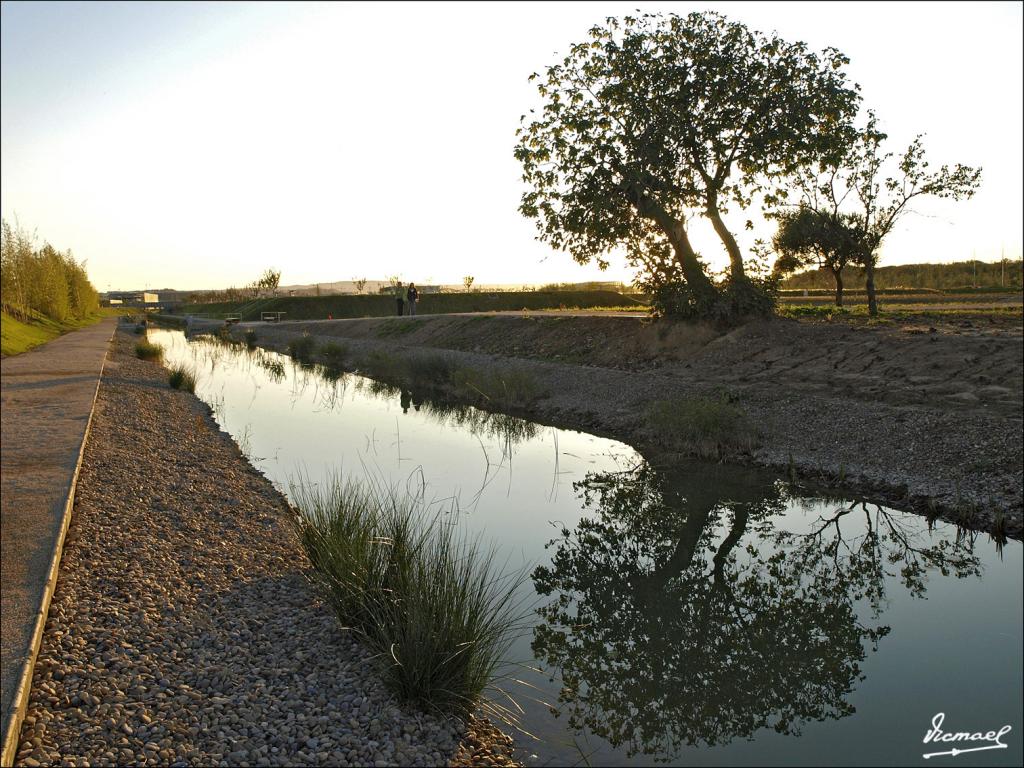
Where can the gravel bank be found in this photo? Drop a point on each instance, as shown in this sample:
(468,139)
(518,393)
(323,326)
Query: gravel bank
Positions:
(184,630)
(901,415)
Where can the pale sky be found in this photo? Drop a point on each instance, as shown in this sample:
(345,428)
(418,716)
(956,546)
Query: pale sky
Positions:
(193,145)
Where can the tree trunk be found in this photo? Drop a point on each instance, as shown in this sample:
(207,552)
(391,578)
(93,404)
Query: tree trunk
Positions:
(698,281)
(838,275)
(735,257)
(869,286)
(739,527)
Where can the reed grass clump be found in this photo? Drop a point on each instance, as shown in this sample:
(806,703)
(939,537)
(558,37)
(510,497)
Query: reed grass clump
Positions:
(430,370)
(182,377)
(510,387)
(301,349)
(710,427)
(427,599)
(334,354)
(147,350)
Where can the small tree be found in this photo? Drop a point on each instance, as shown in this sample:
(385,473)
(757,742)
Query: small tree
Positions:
(657,117)
(807,237)
(270,280)
(359,283)
(862,182)
(467,281)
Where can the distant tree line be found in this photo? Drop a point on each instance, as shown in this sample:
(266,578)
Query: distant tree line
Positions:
(42,281)
(961,274)
(268,282)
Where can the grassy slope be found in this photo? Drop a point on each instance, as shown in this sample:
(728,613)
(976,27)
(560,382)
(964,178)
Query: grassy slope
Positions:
(318,307)
(17,336)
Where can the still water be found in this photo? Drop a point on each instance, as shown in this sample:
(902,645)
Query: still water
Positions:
(686,615)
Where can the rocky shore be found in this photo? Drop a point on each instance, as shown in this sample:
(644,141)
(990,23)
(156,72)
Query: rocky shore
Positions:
(924,418)
(184,630)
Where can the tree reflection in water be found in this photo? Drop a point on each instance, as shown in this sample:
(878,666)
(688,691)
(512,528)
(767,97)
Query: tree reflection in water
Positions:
(682,615)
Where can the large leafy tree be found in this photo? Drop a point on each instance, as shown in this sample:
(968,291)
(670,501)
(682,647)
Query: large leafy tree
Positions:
(657,118)
(874,189)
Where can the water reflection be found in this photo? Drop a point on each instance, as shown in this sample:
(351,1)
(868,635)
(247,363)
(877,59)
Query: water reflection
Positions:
(326,386)
(682,614)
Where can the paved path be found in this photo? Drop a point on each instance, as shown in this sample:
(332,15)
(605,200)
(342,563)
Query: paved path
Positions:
(46,400)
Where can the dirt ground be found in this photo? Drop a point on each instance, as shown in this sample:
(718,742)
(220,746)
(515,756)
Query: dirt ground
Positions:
(937,363)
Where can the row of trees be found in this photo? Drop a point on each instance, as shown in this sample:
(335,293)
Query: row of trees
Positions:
(268,282)
(1005,273)
(657,119)
(42,281)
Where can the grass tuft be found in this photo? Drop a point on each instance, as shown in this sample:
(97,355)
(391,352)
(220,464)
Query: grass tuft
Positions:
(509,387)
(710,427)
(147,350)
(182,377)
(334,354)
(419,593)
(301,349)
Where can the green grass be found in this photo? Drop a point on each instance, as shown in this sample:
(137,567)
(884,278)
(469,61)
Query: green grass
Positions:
(397,327)
(419,593)
(147,350)
(507,387)
(182,377)
(17,336)
(709,427)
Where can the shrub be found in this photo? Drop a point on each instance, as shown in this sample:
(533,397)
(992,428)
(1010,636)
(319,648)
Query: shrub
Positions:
(147,350)
(420,594)
(182,377)
(250,338)
(710,427)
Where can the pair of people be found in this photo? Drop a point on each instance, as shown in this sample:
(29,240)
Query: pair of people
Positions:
(405,296)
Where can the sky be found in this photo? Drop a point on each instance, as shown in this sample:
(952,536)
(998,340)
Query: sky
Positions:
(193,145)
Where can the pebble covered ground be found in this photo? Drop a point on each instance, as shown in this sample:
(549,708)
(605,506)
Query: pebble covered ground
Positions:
(184,630)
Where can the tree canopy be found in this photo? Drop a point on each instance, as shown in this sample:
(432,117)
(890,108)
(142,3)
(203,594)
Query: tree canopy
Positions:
(657,118)
(807,237)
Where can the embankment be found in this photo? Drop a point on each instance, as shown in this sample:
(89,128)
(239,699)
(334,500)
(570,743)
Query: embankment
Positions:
(184,629)
(924,417)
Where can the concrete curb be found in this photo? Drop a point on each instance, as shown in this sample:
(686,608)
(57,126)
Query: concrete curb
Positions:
(21,692)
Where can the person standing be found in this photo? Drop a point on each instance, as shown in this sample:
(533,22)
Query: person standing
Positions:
(411,295)
(400,298)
